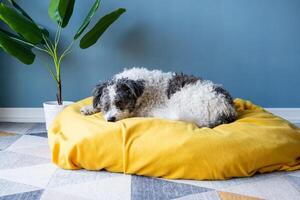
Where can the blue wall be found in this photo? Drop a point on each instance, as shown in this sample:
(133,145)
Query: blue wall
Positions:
(252,47)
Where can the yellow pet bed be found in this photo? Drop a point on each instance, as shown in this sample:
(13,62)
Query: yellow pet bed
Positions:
(257,142)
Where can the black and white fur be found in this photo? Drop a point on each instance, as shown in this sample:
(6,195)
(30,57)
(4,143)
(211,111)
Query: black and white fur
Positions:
(139,92)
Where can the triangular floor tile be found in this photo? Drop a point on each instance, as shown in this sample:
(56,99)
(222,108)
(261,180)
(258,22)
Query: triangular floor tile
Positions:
(37,128)
(42,151)
(20,128)
(4,134)
(50,194)
(28,141)
(63,177)
(221,184)
(8,187)
(267,189)
(33,195)
(107,188)
(152,188)
(37,175)
(294,180)
(6,139)
(232,196)
(295,173)
(211,195)
(11,160)
(42,134)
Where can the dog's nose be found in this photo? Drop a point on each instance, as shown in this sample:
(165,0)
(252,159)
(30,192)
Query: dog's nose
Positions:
(111,119)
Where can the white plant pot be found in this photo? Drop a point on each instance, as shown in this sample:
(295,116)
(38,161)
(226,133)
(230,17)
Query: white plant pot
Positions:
(51,109)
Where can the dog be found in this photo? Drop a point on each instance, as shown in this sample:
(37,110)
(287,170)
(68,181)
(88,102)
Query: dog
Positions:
(139,92)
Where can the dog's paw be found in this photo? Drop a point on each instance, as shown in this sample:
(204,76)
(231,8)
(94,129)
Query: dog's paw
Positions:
(87,110)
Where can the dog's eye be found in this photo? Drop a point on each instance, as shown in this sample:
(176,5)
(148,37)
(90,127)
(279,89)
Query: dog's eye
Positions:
(118,103)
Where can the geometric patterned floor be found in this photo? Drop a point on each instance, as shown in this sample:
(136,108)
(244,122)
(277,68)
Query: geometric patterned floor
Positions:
(26,172)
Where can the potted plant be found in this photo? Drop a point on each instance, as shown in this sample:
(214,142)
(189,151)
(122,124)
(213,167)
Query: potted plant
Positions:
(25,34)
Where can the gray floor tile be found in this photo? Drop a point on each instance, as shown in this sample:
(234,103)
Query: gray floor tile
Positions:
(151,188)
(42,134)
(12,127)
(9,187)
(6,141)
(10,160)
(33,195)
(37,128)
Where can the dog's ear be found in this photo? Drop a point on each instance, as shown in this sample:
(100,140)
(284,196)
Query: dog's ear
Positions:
(136,87)
(97,93)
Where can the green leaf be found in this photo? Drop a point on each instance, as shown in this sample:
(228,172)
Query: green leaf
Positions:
(11,35)
(20,24)
(95,33)
(87,19)
(66,10)
(23,12)
(61,11)
(14,48)
(53,11)
(20,9)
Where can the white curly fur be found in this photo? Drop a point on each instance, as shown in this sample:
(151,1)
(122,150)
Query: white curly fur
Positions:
(197,102)
(154,95)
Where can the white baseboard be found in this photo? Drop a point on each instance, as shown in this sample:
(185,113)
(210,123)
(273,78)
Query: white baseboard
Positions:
(291,114)
(37,114)
(22,115)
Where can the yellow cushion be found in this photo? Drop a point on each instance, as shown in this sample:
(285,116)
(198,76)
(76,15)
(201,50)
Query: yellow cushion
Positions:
(257,142)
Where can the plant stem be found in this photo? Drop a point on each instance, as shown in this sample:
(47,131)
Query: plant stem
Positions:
(29,44)
(48,45)
(59,92)
(57,35)
(52,49)
(66,51)
(50,71)
(58,77)
(57,59)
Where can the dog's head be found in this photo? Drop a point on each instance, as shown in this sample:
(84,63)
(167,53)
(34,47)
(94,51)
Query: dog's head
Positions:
(117,99)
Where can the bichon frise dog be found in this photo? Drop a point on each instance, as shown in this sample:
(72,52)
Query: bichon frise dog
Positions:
(139,92)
